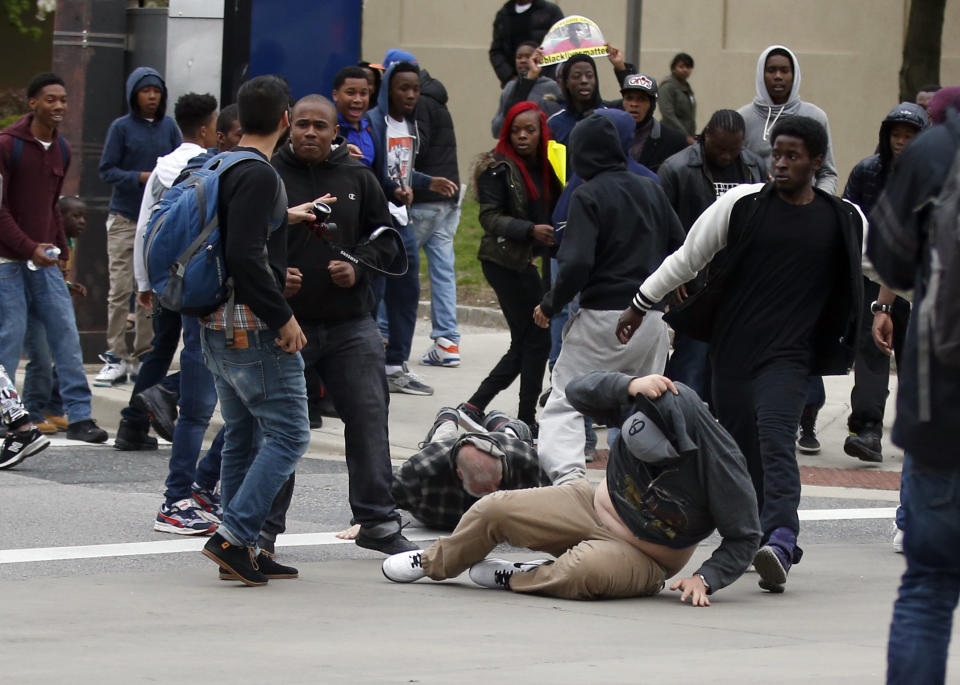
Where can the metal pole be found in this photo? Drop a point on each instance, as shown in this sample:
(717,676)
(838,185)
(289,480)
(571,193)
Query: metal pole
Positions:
(631,48)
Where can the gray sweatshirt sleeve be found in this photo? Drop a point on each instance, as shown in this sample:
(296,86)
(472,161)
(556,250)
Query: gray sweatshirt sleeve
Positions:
(733,506)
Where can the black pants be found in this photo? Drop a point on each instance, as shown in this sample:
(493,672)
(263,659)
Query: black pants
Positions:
(348,356)
(156,363)
(871,369)
(519,293)
(761,411)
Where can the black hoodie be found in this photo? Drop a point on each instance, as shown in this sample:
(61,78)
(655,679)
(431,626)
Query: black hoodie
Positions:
(360,209)
(619,228)
(437,154)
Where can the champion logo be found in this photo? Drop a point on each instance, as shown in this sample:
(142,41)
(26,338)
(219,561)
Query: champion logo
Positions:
(352,196)
(639,80)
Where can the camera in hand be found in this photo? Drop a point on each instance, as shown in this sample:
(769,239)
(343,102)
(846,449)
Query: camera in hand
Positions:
(324,228)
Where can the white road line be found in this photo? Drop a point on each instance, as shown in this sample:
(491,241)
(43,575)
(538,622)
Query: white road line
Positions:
(129,549)
(63,442)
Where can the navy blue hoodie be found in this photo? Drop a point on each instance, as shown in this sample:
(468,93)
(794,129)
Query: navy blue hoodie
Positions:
(133,145)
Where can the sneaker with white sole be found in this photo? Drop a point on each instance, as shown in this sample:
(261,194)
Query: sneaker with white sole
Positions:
(471,418)
(207,503)
(182,518)
(495,574)
(114,371)
(898,541)
(443,352)
(18,445)
(405,567)
(407,382)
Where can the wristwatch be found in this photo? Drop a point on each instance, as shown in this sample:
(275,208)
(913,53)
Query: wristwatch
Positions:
(876,307)
(705,583)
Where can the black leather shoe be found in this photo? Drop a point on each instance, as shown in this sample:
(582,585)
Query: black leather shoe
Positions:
(160,405)
(235,559)
(389,544)
(86,430)
(864,445)
(131,438)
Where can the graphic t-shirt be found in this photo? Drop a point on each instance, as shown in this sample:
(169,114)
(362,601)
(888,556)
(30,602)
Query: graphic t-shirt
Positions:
(400,145)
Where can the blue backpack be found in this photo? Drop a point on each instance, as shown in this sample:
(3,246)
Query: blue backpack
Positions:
(183,249)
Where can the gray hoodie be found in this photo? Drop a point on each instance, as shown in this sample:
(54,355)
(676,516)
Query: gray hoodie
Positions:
(761,115)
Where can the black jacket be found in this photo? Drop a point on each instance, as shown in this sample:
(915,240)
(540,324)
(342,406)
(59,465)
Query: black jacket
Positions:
(359,210)
(663,142)
(686,180)
(506,34)
(898,247)
(437,153)
(619,228)
(870,175)
(504,213)
(835,337)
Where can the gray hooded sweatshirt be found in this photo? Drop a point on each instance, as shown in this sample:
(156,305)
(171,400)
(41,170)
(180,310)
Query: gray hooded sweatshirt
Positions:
(761,115)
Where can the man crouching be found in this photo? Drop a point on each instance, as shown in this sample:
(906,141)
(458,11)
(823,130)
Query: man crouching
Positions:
(673,478)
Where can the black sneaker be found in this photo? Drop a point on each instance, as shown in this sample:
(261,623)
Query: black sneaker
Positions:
(864,445)
(131,438)
(807,443)
(87,431)
(446,414)
(389,544)
(471,418)
(235,559)
(268,566)
(160,405)
(316,420)
(18,445)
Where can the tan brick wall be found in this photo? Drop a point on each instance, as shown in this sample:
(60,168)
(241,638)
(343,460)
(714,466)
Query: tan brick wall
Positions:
(849,53)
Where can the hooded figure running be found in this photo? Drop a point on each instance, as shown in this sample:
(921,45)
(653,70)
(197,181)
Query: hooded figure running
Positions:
(778,97)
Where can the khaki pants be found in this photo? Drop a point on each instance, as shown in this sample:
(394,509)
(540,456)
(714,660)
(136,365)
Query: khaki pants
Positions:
(120,235)
(559,520)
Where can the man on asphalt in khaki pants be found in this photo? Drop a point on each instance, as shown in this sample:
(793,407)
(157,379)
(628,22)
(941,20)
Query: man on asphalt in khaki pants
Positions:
(134,142)
(674,476)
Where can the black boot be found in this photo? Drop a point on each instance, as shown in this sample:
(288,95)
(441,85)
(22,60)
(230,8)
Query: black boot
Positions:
(807,442)
(130,438)
(865,445)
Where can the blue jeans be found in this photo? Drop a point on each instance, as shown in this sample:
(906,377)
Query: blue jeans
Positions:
(399,298)
(259,386)
(43,293)
(198,398)
(434,224)
(930,587)
(41,395)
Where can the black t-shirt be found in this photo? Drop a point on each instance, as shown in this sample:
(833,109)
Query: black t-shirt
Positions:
(778,292)
(726,178)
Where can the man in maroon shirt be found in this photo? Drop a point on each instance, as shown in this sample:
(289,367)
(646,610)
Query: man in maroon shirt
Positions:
(34,159)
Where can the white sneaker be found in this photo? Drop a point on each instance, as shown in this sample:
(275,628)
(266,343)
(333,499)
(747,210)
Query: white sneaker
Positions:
(495,573)
(898,541)
(443,352)
(405,567)
(114,371)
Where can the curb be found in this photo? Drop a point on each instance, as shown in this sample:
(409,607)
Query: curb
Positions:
(488,317)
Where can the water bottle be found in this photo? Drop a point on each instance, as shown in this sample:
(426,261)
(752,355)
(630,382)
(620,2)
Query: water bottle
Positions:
(51,252)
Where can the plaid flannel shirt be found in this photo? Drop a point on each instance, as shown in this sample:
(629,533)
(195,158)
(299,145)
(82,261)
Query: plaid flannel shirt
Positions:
(243,318)
(427,485)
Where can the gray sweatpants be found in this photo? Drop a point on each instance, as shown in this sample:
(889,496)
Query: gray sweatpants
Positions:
(590,344)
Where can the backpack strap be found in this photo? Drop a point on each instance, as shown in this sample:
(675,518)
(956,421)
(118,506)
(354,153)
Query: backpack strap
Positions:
(16,153)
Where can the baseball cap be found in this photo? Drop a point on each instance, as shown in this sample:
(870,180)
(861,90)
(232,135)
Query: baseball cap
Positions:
(646,441)
(641,82)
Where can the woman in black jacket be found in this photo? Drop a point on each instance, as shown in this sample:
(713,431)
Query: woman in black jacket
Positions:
(517,189)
